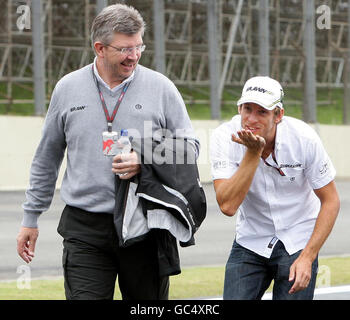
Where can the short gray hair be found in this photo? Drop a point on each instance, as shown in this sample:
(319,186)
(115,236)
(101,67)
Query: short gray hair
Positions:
(116,18)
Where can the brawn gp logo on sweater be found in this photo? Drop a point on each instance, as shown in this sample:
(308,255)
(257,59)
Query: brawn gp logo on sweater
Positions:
(77,108)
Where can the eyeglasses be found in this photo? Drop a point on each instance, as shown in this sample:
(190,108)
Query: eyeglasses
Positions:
(128,51)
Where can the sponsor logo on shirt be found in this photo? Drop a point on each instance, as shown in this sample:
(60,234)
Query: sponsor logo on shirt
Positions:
(296,165)
(77,108)
(220,164)
(324,168)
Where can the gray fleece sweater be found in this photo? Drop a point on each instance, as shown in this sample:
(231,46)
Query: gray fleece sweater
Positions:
(75,121)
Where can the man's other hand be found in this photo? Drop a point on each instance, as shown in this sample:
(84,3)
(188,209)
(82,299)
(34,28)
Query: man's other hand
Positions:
(26,240)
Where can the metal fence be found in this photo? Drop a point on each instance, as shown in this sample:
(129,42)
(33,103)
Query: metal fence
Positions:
(196,43)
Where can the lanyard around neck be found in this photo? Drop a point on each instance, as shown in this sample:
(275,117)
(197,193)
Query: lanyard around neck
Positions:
(278,167)
(104,107)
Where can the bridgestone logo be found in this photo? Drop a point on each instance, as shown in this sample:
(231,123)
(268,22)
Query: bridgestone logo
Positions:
(297,165)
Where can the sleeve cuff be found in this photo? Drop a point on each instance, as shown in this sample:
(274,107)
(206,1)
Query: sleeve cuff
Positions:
(30,219)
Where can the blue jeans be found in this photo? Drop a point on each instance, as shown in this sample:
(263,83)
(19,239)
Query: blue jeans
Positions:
(248,275)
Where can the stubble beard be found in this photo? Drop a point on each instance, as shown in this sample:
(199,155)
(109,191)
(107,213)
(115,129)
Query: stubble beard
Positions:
(112,69)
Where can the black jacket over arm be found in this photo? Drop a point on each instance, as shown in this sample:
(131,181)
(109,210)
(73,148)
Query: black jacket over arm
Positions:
(169,181)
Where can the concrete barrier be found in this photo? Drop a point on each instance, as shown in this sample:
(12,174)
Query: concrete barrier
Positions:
(19,137)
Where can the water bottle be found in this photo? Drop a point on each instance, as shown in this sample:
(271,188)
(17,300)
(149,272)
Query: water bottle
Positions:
(124,145)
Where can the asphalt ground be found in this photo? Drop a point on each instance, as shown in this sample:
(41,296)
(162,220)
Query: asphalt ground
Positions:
(213,239)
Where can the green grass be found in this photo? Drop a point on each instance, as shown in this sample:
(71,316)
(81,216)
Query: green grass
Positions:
(191,283)
(18,92)
(329,110)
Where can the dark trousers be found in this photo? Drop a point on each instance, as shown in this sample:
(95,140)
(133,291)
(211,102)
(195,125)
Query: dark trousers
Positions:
(248,275)
(92,260)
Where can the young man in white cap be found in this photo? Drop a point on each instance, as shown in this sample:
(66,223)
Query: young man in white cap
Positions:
(274,172)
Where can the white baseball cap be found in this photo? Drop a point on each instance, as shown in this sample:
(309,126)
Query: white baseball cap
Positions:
(263,91)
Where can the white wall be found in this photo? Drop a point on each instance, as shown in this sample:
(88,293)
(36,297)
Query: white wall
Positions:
(19,137)
(337,143)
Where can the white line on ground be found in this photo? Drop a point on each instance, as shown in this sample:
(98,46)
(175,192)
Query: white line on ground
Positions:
(318,291)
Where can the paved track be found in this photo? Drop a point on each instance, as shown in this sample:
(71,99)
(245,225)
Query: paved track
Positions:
(213,240)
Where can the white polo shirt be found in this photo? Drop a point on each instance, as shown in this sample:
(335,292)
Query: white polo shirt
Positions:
(276,206)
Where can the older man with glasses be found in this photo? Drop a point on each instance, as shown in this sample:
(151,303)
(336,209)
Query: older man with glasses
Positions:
(95,103)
